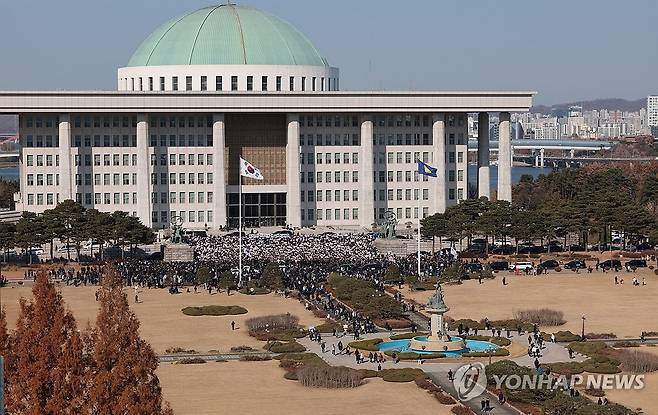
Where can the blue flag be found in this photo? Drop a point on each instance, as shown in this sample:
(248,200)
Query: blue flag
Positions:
(425,169)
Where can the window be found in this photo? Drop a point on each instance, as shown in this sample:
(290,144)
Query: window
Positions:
(303,83)
(188,83)
(204,83)
(218,83)
(162,83)
(250,83)
(150,83)
(234,83)
(264,83)
(174,83)
(278,83)
(292,83)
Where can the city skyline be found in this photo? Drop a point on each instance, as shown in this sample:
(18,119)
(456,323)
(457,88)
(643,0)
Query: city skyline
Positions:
(399,60)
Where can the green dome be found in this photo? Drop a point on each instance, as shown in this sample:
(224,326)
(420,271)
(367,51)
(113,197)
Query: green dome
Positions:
(226,34)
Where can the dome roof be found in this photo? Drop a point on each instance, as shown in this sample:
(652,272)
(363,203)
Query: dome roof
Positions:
(226,34)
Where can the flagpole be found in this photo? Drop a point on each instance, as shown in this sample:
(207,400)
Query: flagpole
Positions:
(240,227)
(419,215)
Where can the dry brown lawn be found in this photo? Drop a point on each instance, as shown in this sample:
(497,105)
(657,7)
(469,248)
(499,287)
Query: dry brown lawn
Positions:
(622,309)
(259,388)
(164,325)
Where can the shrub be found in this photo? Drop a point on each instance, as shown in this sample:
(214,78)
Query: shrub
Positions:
(272,277)
(294,359)
(176,350)
(558,269)
(404,336)
(498,341)
(601,336)
(603,367)
(214,310)
(368,373)
(461,410)
(329,377)
(368,345)
(283,335)
(566,368)
(541,316)
(588,348)
(395,324)
(444,399)
(328,327)
(279,321)
(637,361)
(410,280)
(427,384)
(392,274)
(401,375)
(466,323)
(362,296)
(512,325)
(287,347)
(203,275)
(227,280)
(191,361)
(241,349)
(625,344)
(255,358)
(562,337)
(255,291)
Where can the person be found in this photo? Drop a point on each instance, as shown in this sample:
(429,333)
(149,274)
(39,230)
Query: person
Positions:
(616,280)
(553,337)
(323,345)
(232,325)
(570,350)
(333,349)
(136,298)
(504,281)
(483,405)
(451,376)
(501,397)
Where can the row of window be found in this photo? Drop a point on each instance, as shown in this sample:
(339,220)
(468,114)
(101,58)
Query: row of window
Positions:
(328,195)
(49,199)
(148,83)
(330,214)
(182,159)
(50,180)
(329,177)
(29,160)
(105,159)
(181,197)
(192,216)
(330,140)
(400,194)
(192,178)
(41,141)
(181,141)
(409,213)
(312,158)
(105,141)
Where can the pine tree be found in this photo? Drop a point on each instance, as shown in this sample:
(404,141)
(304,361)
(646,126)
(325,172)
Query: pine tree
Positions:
(122,379)
(47,360)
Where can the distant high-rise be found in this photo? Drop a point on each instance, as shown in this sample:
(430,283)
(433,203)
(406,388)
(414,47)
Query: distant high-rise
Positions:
(652,114)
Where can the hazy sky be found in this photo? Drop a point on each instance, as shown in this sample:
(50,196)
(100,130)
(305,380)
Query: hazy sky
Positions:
(566,50)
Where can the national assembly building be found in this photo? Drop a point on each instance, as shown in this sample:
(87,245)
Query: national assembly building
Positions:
(231,81)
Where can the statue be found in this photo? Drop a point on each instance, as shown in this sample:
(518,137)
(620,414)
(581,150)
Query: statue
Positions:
(176,230)
(436,301)
(389,224)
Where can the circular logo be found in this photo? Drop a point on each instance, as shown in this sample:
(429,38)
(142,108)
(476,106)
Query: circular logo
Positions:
(250,169)
(470,381)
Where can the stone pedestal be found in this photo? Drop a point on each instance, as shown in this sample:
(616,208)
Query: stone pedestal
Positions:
(178,253)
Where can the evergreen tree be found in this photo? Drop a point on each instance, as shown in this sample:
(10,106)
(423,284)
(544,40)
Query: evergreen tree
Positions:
(47,364)
(122,378)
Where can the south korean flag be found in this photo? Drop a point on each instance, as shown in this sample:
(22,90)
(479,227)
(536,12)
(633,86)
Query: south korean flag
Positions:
(248,170)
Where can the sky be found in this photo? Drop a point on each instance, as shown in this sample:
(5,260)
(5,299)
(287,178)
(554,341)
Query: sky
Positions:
(565,50)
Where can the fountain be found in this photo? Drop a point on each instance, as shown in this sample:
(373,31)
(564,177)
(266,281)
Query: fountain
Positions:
(438,341)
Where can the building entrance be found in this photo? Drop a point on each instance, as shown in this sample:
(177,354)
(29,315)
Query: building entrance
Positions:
(258,209)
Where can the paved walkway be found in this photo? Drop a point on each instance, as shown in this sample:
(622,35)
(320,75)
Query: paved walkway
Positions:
(438,372)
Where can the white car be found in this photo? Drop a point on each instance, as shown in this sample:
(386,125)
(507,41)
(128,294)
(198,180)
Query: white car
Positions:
(520,266)
(35,251)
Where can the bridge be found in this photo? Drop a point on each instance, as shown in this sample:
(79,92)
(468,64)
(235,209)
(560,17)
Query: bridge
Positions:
(10,156)
(568,145)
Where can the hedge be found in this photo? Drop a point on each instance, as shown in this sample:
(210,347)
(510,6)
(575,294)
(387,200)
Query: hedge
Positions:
(214,310)
(256,291)
(287,347)
(562,337)
(401,375)
(368,345)
(466,323)
(498,341)
(191,361)
(328,327)
(405,336)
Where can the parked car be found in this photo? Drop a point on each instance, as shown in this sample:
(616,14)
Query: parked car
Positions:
(503,250)
(611,263)
(520,266)
(644,246)
(549,264)
(35,251)
(636,263)
(576,264)
(473,267)
(499,266)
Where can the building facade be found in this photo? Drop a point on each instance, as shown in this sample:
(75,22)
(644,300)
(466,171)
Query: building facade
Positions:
(229,81)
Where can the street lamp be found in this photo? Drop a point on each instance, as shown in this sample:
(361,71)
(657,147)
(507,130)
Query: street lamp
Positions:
(582,336)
